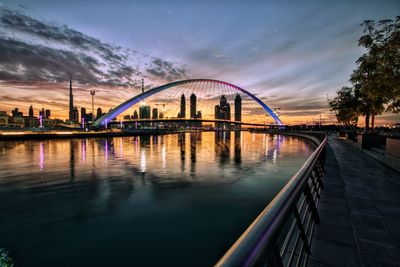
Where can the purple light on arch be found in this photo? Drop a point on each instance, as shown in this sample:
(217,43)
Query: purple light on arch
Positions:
(136,99)
(40,121)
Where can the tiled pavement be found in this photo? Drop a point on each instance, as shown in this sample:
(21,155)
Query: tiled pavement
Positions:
(359,210)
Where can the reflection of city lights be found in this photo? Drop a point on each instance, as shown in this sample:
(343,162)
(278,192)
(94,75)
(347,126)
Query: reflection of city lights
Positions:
(106,151)
(13,133)
(120,149)
(274,156)
(41,156)
(64,133)
(143,161)
(83,150)
(163,156)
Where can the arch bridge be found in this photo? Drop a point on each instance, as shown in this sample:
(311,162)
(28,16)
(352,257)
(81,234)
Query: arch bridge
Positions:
(106,118)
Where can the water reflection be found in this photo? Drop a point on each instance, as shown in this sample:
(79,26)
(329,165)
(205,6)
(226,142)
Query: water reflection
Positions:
(142,191)
(222,146)
(72,160)
(238,148)
(41,156)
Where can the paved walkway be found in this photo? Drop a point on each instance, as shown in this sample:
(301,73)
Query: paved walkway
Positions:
(359,210)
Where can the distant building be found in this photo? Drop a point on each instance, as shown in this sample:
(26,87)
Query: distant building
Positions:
(144,112)
(83,115)
(217,112)
(223,110)
(31,122)
(16,122)
(72,112)
(238,110)
(75,115)
(161,115)
(3,119)
(182,113)
(193,100)
(99,113)
(31,114)
(47,113)
(199,116)
(89,117)
(135,115)
(42,113)
(16,113)
(155,113)
(127,117)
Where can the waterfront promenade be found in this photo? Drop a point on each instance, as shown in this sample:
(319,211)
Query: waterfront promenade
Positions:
(359,210)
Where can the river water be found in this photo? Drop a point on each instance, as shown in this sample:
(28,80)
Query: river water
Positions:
(173,200)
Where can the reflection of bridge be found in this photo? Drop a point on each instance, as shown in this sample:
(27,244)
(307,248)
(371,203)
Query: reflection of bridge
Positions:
(181,120)
(207,84)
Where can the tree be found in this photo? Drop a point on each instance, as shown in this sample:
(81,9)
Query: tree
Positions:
(346,106)
(377,77)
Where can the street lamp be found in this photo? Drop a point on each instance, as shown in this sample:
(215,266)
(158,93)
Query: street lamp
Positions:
(92,93)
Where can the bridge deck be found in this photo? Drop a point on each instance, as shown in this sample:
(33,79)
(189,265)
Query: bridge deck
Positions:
(359,210)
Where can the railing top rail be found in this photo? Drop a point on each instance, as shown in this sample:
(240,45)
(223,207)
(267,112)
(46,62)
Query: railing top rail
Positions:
(263,233)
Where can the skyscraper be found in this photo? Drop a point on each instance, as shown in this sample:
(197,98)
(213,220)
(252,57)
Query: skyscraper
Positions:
(99,113)
(155,113)
(71,102)
(16,113)
(31,111)
(238,108)
(193,111)
(75,115)
(144,112)
(135,115)
(223,110)
(183,107)
(47,113)
(42,113)
(83,115)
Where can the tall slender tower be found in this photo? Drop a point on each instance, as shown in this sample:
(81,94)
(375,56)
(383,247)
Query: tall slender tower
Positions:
(193,110)
(31,111)
(238,108)
(71,101)
(183,107)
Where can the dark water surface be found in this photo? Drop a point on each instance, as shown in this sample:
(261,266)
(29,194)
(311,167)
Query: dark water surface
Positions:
(174,200)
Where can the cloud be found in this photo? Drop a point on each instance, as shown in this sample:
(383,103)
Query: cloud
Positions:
(33,50)
(165,70)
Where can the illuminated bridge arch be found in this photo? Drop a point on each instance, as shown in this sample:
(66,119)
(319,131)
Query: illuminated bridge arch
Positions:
(136,99)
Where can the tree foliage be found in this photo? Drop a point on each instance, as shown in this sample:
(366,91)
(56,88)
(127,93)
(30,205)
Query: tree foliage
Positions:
(346,106)
(376,80)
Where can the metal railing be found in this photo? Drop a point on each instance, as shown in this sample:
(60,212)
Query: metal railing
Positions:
(281,234)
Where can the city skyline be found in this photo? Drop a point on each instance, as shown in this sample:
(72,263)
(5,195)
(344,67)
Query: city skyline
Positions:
(294,63)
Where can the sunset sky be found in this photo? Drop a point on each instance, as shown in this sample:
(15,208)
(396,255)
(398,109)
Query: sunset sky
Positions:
(294,54)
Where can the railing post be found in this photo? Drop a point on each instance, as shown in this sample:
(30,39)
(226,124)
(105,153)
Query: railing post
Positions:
(302,232)
(319,174)
(311,203)
(315,183)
